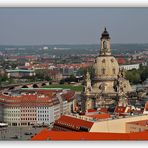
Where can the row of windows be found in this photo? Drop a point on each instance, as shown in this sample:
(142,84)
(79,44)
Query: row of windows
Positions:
(13,119)
(23,123)
(43,107)
(11,115)
(28,114)
(22,107)
(28,118)
(29,107)
(15,115)
(43,115)
(43,111)
(44,119)
(12,111)
(28,110)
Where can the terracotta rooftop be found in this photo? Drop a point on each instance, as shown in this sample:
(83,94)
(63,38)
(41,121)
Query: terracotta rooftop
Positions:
(120,109)
(69,95)
(30,100)
(146,106)
(103,110)
(80,65)
(73,123)
(91,110)
(55,135)
(99,116)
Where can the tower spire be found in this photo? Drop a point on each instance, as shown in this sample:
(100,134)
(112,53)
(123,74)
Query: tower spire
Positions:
(104,28)
(105,43)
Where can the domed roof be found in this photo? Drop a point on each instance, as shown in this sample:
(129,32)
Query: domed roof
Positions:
(105,34)
(106,67)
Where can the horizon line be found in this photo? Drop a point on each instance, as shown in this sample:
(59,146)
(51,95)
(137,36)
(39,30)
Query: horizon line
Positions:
(63,44)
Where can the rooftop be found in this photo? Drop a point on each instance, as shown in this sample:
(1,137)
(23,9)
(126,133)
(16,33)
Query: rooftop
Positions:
(120,109)
(55,135)
(73,123)
(99,116)
(34,97)
(141,123)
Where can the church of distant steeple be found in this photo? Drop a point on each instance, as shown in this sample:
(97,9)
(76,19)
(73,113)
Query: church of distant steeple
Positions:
(108,81)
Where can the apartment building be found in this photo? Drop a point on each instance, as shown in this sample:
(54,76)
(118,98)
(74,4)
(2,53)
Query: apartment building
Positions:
(34,107)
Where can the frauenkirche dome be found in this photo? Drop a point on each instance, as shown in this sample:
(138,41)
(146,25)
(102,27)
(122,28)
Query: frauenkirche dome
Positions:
(106,67)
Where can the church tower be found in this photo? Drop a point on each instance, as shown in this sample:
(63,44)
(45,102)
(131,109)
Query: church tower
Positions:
(108,81)
(105,43)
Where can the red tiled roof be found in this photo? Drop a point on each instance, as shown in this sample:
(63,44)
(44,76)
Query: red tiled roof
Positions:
(38,97)
(45,134)
(24,57)
(146,106)
(69,95)
(91,110)
(99,116)
(121,61)
(31,100)
(80,65)
(103,110)
(73,122)
(120,109)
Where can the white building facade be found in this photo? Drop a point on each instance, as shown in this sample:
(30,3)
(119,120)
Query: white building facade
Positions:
(29,109)
(130,67)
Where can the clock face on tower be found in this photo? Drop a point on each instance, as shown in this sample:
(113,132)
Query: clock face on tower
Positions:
(105,44)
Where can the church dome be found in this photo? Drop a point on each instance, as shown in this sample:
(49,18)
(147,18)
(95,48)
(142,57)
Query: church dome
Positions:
(106,67)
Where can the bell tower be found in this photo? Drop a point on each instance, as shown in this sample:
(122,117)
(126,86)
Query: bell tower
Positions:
(105,43)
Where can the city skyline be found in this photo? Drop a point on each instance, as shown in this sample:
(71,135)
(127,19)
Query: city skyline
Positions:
(37,26)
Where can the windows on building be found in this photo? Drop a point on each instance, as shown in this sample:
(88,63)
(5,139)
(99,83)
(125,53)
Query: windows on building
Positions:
(103,71)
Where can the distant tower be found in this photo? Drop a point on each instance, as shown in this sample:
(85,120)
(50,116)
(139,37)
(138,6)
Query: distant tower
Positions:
(108,81)
(105,43)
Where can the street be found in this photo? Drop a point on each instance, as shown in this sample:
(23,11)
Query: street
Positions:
(19,133)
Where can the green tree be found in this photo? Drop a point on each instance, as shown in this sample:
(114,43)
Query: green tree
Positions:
(133,76)
(144,74)
(83,71)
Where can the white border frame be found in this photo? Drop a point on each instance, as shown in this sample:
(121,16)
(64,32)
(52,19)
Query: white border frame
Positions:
(73,3)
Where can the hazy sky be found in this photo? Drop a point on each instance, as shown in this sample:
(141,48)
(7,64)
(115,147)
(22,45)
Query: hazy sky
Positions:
(21,26)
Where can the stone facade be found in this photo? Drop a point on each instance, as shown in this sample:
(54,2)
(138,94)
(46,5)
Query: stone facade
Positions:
(109,80)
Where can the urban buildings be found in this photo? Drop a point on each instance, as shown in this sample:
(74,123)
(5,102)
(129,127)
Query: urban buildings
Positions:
(130,66)
(92,116)
(30,107)
(20,73)
(90,111)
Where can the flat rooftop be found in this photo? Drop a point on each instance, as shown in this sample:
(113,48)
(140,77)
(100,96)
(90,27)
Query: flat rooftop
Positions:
(141,123)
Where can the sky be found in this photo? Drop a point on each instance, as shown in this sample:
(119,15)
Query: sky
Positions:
(41,26)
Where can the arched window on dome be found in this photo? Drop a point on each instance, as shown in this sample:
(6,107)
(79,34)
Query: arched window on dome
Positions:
(103,71)
(114,71)
(103,61)
(112,60)
(105,44)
